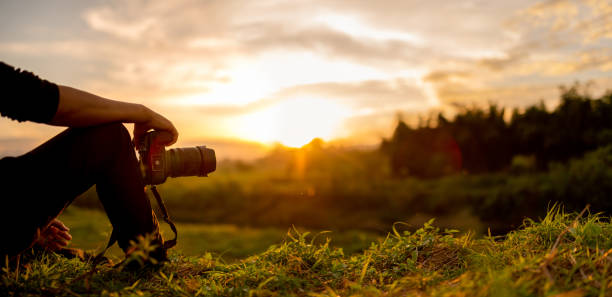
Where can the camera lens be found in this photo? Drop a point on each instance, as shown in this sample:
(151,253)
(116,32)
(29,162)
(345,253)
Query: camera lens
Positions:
(192,161)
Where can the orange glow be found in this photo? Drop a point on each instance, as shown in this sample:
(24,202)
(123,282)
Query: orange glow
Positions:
(294,122)
(289,71)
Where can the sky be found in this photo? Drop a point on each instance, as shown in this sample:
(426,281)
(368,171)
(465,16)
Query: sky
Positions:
(240,76)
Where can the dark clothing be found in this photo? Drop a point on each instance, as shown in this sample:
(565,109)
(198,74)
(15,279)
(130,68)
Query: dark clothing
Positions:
(25,97)
(37,186)
(47,179)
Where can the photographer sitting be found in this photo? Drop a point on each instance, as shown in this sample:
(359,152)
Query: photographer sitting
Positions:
(95,150)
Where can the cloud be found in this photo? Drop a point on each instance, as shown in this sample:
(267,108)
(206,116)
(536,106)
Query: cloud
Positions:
(373,94)
(402,35)
(464,95)
(554,44)
(512,57)
(105,21)
(364,97)
(338,45)
(255,28)
(162,23)
(452,28)
(446,76)
(558,14)
(226,58)
(467,51)
(589,19)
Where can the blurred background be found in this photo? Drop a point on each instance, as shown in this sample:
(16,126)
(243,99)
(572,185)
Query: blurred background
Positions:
(341,115)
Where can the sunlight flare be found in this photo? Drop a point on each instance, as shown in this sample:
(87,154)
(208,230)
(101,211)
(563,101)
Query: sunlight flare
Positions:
(295,122)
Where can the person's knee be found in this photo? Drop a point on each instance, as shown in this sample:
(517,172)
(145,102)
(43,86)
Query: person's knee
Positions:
(110,134)
(110,151)
(106,142)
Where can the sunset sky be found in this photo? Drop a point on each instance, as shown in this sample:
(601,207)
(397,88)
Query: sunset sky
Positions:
(234,73)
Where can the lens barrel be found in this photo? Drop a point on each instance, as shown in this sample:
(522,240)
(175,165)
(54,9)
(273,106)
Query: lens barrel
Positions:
(191,161)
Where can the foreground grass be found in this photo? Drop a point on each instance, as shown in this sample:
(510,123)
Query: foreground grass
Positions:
(562,255)
(90,229)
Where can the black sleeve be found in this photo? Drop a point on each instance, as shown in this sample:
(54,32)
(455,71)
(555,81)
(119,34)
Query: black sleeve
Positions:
(26,97)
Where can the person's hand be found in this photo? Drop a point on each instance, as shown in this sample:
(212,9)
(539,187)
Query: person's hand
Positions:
(55,236)
(154,121)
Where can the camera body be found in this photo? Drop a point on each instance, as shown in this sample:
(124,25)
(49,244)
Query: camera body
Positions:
(157,164)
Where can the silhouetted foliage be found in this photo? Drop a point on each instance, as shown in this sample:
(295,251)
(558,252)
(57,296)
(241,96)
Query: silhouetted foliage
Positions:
(481,140)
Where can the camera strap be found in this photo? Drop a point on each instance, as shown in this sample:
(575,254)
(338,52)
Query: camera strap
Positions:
(113,237)
(170,243)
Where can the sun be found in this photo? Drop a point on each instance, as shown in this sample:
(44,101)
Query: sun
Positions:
(295,122)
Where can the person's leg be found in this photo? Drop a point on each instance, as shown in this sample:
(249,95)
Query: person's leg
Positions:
(120,185)
(48,178)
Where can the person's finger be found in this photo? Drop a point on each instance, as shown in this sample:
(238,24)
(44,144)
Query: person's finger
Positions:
(60,242)
(66,235)
(170,128)
(51,231)
(137,132)
(63,235)
(159,122)
(60,225)
(54,246)
(174,137)
(56,235)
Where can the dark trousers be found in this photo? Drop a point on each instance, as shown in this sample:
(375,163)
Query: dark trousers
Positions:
(37,186)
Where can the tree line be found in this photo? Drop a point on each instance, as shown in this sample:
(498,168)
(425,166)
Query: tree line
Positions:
(483,140)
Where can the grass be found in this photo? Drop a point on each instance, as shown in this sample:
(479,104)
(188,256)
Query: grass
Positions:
(561,255)
(227,243)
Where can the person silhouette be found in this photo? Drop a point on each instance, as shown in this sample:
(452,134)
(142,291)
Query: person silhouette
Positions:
(95,149)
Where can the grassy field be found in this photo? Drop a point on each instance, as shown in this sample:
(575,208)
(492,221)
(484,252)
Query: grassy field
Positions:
(336,189)
(91,229)
(562,255)
(236,234)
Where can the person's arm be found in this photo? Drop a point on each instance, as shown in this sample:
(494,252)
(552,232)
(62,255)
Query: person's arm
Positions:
(26,97)
(77,108)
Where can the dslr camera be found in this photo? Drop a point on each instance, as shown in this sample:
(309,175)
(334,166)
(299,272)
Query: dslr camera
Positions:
(157,163)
